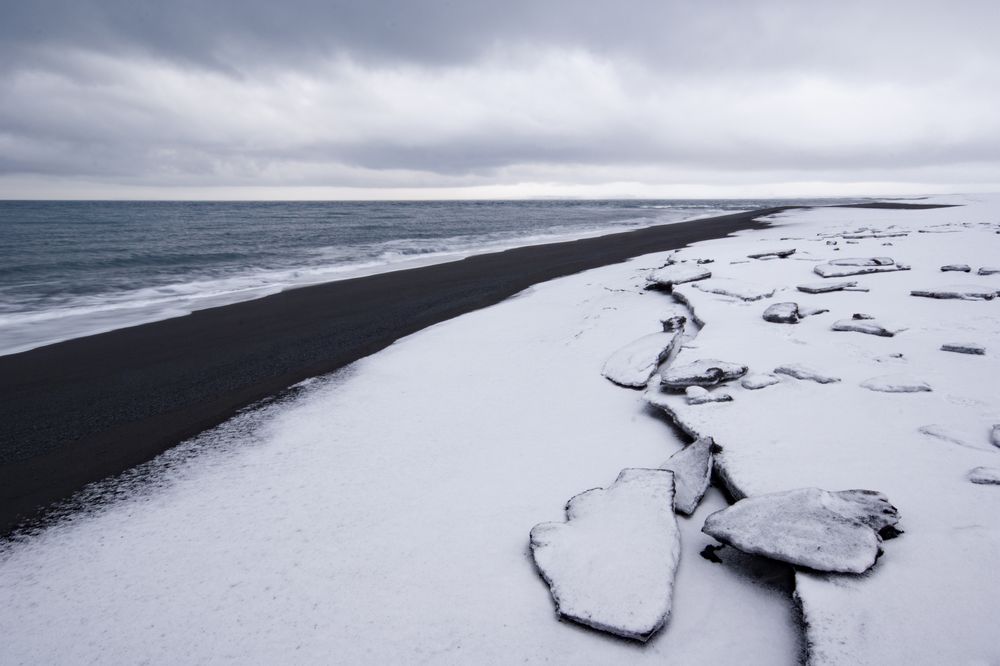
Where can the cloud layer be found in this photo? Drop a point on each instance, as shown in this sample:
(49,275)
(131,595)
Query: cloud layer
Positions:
(266,99)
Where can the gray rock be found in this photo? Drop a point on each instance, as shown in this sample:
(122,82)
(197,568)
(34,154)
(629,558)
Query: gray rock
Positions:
(809,527)
(964,348)
(675,323)
(699,395)
(896,384)
(692,468)
(866,325)
(988,270)
(703,372)
(965,292)
(668,276)
(824,287)
(757,381)
(773,254)
(635,363)
(987,476)
(958,268)
(799,371)
(611,565)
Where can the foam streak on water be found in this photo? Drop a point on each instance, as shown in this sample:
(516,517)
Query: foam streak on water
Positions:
(69,269)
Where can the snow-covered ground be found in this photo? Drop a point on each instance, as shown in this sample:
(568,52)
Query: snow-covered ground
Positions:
(382,514)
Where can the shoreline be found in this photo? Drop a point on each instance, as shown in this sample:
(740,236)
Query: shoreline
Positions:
(88,408)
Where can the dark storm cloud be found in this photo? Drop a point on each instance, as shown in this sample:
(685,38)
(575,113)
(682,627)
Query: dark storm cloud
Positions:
(327,93)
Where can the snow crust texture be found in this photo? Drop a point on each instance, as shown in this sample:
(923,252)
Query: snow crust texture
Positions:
(611,565)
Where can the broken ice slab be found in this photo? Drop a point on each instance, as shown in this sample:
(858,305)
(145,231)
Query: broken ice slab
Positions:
(756,381)
(809,527)
(611,565)
(699,395)
(867,325)
(965,292)
(830,270)
(985,476)
(692,468)
(988,270)
(668,276)
(957,268)
(964,348)
(744,291)
(862,261)
(824,287)
(789,313)
(635,363)
(896,384)
(799,371)
(773,254)
(703,372)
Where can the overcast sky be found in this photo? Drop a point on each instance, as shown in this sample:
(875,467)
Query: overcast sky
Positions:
(418,99)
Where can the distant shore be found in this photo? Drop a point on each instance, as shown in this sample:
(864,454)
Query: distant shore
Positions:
(85,409)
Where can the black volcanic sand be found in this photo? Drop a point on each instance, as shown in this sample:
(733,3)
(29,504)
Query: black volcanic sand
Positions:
(85,409)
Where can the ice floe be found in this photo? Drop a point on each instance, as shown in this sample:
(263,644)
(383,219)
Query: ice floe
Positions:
(703,372)
(965,292)
(957,268)
(672,274)
(808,527)
(964,348)
(789,313)
(611,565)
(692,468)
(860,266)
(634,364)
(699,395)
(896,384)
(824,287)
(985,476)
(773,254)
(799,371)
(866,324)
(744,291)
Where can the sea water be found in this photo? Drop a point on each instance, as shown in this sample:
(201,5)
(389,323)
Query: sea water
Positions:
(74,268)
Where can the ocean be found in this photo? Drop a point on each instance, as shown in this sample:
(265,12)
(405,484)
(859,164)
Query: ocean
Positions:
(75,268)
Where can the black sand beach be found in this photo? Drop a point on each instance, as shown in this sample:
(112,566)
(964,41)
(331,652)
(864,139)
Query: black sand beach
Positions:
(81,410)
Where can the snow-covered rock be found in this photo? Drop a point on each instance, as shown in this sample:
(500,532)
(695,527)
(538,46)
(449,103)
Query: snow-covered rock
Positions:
(866,325)
(988,270)
(744,291)
(699,395)
(703,372)
(611,565)
(809,527)
(799,371)
(692,468)
(896,384)
(964,348)
(759,380)
(824,287)
(966,292)
(668,276)
(773,254)
(635,363)
(995,435)
(987,476)
(957,268)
